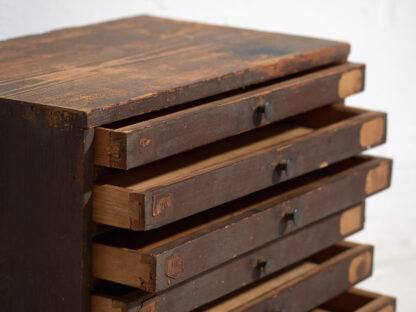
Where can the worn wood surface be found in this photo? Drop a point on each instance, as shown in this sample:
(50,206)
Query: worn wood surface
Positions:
(171,189)
(357,300)
(45,190)
(145,259)
(119,69)
(299,291)
(329,267)
(236,273)
(150,137)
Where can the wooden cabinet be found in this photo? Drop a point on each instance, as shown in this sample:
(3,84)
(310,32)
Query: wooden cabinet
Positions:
(153,165)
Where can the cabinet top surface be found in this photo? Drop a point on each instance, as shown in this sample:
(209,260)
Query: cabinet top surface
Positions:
(118,69)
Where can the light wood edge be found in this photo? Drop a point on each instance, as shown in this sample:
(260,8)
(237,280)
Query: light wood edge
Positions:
(110,148)
(373,132)
(351,219)
(124,266)
(117,206)
(351,82)
(360,267)
(104,304)
(379,177)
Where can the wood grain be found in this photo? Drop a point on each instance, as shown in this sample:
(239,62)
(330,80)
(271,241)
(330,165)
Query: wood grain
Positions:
(233,224)
(119,69)
(238,272)
(247,162)
(45,209)
(150,137)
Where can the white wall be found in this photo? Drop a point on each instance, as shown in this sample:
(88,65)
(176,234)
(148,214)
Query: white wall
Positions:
(382,34)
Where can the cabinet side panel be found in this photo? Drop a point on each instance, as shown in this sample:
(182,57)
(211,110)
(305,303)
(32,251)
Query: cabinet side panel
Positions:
(45,190)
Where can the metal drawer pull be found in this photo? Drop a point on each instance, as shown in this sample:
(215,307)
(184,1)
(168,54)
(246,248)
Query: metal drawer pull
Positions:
(287,167)
(265,266)
(267,110)
(295,216)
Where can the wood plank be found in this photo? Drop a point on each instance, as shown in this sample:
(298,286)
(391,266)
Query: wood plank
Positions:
(162,192)
(150,137)
(118,255)
(329,267)
(358,300)
(119,69)
(45,191)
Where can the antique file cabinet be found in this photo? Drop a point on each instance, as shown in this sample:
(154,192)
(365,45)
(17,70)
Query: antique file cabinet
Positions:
(158,165)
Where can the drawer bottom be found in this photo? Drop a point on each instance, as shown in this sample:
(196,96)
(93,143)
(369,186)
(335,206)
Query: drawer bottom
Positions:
(357,300)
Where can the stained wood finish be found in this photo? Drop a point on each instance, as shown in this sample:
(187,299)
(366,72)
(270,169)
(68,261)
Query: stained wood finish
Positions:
(145,260)
(232,275)
(119,69)
(45,209)
(128,144)
(301,287)
(357,300)
(182,185)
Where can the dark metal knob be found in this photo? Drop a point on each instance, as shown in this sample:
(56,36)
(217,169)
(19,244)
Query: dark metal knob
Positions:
(267,110)
(266,266)
(286,167)
(295,216)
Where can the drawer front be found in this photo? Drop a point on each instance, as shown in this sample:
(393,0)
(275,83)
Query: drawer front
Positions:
(165,258)
(300,288)
(162,192)
(129,144)
(243,270)
(357,300)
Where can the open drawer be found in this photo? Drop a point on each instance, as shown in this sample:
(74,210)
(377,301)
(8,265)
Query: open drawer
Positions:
(168,190)
(140,140)
(158,259)
(341,266)
(357,300)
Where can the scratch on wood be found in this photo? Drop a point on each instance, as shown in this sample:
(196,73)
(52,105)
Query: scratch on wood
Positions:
(161,202)
(145,142)
(174,266)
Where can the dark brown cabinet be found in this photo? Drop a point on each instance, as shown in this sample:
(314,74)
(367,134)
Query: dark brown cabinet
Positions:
(154,165)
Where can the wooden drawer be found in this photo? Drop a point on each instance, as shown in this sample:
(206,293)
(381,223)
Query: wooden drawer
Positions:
(357,300)
(162,192)
(158,259)
(150,137)
(340,266)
